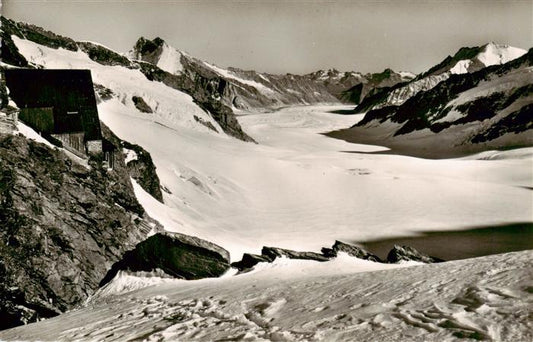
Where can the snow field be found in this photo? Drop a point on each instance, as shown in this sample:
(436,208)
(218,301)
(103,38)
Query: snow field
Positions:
(485,298)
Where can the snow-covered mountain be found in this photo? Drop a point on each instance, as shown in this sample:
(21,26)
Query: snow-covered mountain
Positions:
(465,112)
(466,60)
(352,87)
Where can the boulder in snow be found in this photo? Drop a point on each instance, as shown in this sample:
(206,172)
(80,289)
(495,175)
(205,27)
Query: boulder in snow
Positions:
(178,255)
(141,105)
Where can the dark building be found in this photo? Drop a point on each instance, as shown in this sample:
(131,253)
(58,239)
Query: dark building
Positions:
(60,104)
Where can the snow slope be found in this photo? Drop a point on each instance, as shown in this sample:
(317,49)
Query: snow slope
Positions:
(170,104)
(494,54)
(487,298)
(170,60)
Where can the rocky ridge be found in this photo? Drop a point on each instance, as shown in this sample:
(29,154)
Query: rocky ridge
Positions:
(269,254)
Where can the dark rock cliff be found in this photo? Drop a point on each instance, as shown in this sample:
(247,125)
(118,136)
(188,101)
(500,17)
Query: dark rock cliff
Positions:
(143,170)
(62,226)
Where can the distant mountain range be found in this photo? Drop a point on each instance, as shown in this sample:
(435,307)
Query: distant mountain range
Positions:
(466,60)
(254,90)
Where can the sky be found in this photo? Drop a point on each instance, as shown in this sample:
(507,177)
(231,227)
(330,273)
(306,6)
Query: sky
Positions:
(291,36)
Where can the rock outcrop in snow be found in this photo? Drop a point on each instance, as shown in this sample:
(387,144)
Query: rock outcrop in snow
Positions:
(178,255)
(406,253)
(269,254)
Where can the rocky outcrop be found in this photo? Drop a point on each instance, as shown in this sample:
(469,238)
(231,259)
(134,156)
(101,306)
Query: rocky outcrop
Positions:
(269,254)
(36,34)
(143,170)
(103,55)
(62,226)
(9,52)
(250,260)
(274,252)
(178,255)
(406,253)
(141,105)
(351,250)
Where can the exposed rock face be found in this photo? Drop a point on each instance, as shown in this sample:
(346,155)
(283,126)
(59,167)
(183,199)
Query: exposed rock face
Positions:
(103,55)
(62,227)
(143,170)
(352,250)
(36,34)
(406,253)
(178,255)
(141,105)
(273,253)
(250,260)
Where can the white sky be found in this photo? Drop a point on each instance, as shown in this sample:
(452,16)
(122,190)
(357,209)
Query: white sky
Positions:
(292,36)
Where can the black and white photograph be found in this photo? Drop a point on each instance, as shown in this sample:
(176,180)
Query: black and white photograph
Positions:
(266,170)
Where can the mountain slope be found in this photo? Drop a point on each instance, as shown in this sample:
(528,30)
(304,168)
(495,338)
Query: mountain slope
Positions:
(466,60)
(196,98)
(490,108)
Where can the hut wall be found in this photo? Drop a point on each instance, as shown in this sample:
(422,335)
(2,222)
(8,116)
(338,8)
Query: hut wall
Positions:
(73,142)
(41,119)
